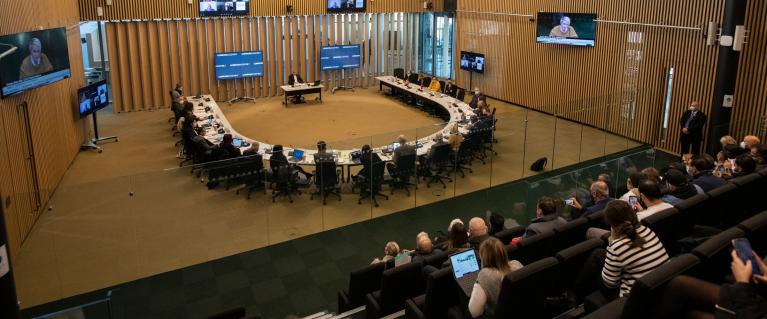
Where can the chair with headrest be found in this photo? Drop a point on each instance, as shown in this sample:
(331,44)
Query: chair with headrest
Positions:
(524,291)
(361,282)
(397,285)
(442,292)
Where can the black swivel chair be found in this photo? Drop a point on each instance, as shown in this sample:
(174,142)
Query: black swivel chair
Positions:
(442,292)
(460,94)
(370,186)
(399,73)
(523,292)
(462,160)
(397,285)
(442,86)
(253,170)
(413,78)
(404,169)
(361,282)
(170,120)
(439,166)
(284,182)
(425,81)
(326,180)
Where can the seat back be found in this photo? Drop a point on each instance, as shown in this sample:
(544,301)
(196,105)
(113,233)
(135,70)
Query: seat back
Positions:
(442,154)
(569,234)
(413,78)
(756,232)
(436,260)
(362,282)
(398,284)
(670,225)
(715,257)
(425,81)
(524,291)
(460,94)
(695,209)
(399,73)
(441,293)
(597,220)
(572,259)
(749,187)
(506,235)
(721,202)
(442,86)
(533,248)
(405,166)
(377,172)
(645,296)
(327,176)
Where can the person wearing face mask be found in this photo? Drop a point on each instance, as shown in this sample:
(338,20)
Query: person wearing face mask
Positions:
(749,142)
(692,123)
(478,96)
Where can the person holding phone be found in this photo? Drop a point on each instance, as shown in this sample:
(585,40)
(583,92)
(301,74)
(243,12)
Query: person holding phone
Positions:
(745,298)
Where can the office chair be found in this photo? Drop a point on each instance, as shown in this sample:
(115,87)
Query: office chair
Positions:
(284,183)
(370,187)
(399,73)
(326,180)
(413,78)
(438,166)
(253,168)
(442,86)
(461,94)
(170,120)
(425,81)
(404,169)
(462,159)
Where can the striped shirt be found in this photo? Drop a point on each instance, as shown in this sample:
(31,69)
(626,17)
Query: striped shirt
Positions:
(624,264)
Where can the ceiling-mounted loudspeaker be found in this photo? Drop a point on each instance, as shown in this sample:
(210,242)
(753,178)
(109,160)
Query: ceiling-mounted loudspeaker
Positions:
(740,38)
(711,33)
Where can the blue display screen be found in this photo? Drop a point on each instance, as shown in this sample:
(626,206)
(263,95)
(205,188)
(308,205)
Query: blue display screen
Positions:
(340,57)
(237,65)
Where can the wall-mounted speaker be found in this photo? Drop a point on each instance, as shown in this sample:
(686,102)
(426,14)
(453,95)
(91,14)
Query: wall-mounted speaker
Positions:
(711,33)
(740,38)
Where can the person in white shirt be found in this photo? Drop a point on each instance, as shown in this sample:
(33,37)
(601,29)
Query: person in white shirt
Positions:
(632,182)
(651,195)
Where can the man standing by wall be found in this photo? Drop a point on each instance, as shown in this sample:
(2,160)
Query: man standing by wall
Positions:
(692,122)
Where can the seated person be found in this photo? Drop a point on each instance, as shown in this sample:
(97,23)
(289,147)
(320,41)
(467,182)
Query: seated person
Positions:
(293,80)
(600,197)
(450,89)
(455,139)
(322,155)
(495,265)
(701,168)
(178,107)
(457,237)
(278,160)
(424,247)
(632,184)
(478,96)
(477,232)
(633,250)
(252,153)
(497,223)
(695,298)
(547,218)
(391,250)
(439,140)
(404,149)
(744,165)
(650,195)
(368,158)
(678,187)
(187,116)
(435,86)
(226,144)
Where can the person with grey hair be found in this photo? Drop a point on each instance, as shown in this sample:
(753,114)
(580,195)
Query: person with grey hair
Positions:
(564,29)
(439,140)
(424,247)
(403,149)
(36,62)
(477,232)
(600,194)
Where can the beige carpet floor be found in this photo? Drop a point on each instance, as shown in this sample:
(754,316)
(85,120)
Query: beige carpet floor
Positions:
(130,212)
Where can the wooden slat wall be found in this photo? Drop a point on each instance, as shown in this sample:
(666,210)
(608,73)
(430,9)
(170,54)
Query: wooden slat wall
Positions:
(156,9)
(750,105)
(55,125)
(566,80)
(149,57)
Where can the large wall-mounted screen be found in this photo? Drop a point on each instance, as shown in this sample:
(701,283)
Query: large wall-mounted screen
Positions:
(237,65)
(577,29)
(340,57)
(224,8)
(472,61)
(40,58)
(336,6)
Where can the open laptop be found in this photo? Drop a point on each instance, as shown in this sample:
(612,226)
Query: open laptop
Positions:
(465,269)
(316,83)
(298,154)
(237,142)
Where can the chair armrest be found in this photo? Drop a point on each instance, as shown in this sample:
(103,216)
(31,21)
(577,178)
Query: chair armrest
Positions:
(412,311)
(372,308)
(343,301)
(612,310)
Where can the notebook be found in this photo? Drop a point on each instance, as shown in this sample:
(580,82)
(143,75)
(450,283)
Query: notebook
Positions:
(465,269)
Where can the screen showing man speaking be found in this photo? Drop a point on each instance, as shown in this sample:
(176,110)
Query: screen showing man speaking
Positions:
(41,58)
(340,57)
(237,65)
(577,29)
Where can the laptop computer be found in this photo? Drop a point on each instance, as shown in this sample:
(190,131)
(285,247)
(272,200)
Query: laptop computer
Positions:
(465,269)
(298,154)
(316,83)
(237,142)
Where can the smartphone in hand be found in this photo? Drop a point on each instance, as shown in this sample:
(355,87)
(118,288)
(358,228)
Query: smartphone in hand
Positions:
(743,248)
(633,201)
(569,201)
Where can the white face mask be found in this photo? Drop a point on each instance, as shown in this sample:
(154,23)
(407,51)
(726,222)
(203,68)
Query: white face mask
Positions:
(743,145)
(689,170)
(692,109)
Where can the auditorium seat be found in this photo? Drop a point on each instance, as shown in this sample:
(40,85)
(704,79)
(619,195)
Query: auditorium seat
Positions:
(695,208)
(506,235)
(532,248)
(569,234)
(523,292)
(755,229)
(572,259)
(441,294)
(397,285)
(750,187)
(361,282)
(612,310)
(670,225)
(721,203)
(715,257)
(597,220)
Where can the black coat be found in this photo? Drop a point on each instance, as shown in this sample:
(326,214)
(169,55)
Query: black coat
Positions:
(695,130)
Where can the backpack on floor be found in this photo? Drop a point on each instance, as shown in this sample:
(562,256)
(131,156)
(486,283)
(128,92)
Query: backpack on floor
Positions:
(539,164)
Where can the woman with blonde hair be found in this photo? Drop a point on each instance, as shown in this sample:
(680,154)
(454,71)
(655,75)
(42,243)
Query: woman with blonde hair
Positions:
(455,139)
(495,265)
(391,250)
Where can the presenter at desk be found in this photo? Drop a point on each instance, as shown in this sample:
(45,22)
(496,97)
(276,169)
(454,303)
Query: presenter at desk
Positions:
(563,30)
(293,80)
(692,123)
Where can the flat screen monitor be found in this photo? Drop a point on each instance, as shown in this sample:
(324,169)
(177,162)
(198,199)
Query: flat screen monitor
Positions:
(210,8)
(92,98)
(471,61)
(340,57)
(578,29)
(336,6)
(237,65)
(41,58)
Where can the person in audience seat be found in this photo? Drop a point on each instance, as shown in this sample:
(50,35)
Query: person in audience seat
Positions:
(547,218)
(391,250)
(744,165)
(632,184)
(678,187)
(701,168)
(495,265)
(477,232)
(749,141)
(424,247)
(600,194)
(650,195)
(457,237)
